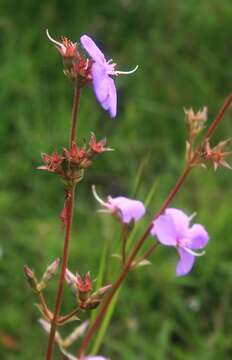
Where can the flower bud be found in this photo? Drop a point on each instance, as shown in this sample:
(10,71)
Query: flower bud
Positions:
(50,271)
(196,121)
(84,285)
(31,278)
(101,292)
(70,279)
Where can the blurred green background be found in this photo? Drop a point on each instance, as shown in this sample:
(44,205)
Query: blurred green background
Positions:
(184,52)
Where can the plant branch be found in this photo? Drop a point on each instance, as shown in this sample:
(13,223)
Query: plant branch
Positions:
(76,102)
(64,318)
(69,204)
(69,211)
(128,264)
(141,241)
(44,305)
(219,117)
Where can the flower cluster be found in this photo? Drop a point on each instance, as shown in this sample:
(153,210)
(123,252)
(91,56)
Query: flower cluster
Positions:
(72,162)
(96,69)
(172,228)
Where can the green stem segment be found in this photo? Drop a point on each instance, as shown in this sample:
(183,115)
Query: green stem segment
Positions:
(141,241)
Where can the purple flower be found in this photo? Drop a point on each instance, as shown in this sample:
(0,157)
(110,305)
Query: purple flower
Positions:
(126,209)
(172,229)
(103,84)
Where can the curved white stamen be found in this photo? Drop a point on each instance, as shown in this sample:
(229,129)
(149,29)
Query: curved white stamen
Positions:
(194,253)
(97,197)
(192,216)
(127,72)
(54,41)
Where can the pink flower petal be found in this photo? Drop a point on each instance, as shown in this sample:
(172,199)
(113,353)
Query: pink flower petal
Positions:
(112,98)
(92,49)
(100,82)
(180,220)
(129,209)
(165,230)
(199,237)
(185,263)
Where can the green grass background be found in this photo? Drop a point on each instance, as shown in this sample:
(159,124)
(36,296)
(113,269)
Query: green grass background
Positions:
(184,52)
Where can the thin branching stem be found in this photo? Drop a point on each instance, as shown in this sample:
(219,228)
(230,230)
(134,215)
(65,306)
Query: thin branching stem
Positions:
(141,241)
(76,102)
(69,218)
(69,207)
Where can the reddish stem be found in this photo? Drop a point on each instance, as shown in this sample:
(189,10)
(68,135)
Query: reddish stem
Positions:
(141,241)
(76,102)
(69,209)
(69,204)
(147,253)
(44,305)
(219,117)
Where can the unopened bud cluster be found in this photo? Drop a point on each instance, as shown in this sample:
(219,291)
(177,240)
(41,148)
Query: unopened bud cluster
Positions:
(39,285)
(70,165)
(195,121)
(82,288)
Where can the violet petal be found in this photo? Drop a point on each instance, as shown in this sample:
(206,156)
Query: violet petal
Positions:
(112,98)
(92,49)
(199,237)
(180,221)
(129,209)
(100,82)
(185,263)
(164,229)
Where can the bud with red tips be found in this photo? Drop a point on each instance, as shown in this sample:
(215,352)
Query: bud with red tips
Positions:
(97,147)
(84,285)
(217,154)
(52,162)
